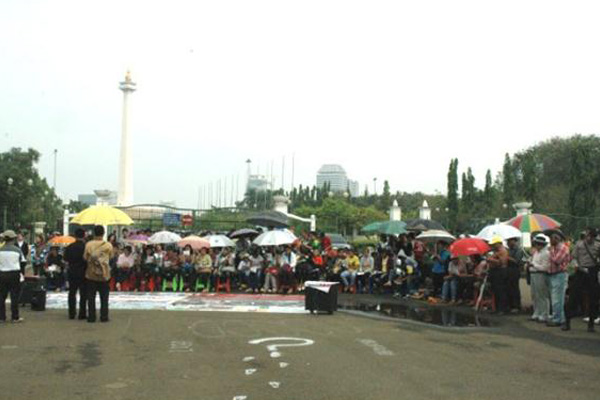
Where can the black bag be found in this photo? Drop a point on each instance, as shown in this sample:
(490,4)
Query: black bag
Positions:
(29,286)
(38,300)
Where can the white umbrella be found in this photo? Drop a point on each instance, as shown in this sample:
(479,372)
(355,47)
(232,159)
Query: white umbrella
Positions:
(164,237)
(275,238)
(434,235)
(504,231)
(219,241)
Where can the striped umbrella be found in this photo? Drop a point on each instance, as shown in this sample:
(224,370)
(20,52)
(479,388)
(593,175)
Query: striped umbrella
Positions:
(533,223)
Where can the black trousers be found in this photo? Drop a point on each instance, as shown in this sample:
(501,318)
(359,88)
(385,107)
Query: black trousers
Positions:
(10,283)
(514,291)
(438,282)
(94,287)
(499,281)
(77,284)
(584,283)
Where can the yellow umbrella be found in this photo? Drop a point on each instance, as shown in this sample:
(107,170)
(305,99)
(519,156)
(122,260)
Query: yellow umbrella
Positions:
(102,215)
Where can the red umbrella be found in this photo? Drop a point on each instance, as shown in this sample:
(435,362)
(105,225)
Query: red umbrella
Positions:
(469,247)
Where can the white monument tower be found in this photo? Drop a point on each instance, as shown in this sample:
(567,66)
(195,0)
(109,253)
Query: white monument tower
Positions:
(125,194)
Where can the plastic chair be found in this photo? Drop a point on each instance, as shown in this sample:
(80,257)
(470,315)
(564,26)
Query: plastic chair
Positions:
(226,285)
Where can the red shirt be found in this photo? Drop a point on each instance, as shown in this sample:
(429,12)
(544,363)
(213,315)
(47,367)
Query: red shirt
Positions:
(559,258)
(325,242)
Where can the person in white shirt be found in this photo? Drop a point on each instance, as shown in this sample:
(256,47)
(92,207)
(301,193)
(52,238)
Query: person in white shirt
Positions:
(11,261)
(539,264)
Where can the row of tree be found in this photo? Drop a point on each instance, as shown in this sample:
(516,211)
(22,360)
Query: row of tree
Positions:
(560,177)
(25,196)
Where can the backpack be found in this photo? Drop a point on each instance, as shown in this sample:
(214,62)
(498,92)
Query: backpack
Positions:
(95,268)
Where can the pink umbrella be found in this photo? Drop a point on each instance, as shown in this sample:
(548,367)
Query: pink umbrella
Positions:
(196,242)
(137,239)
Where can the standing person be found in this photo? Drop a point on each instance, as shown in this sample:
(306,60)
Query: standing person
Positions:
(440,267)
(97,254)
(515,263)
(538,267)
(557,278)
(76,273)
(38,254)
(498,265)
(585,281)
(12,262)
(24,247)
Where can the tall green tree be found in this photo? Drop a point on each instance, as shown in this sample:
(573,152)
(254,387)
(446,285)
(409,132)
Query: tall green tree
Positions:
(508,181)
(452,194)
(488,192)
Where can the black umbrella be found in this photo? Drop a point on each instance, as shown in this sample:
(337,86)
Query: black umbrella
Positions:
(418,224)
(243,232)
(273,219)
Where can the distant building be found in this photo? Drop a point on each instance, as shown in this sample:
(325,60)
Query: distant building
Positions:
(336,177)
(258,182)
(87,199)
(99,197)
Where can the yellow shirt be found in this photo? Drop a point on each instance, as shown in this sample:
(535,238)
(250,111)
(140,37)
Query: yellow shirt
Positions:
(353,263)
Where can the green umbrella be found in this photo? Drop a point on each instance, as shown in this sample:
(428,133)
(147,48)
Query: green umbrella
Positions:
(392,228)
(373,227)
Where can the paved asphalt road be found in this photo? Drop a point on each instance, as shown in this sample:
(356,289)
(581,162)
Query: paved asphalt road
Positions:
(200,355)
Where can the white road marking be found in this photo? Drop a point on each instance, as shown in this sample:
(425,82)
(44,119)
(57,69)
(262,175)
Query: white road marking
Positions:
(240,397)
(179,346)
(379,349)
(9,347)
(273,348)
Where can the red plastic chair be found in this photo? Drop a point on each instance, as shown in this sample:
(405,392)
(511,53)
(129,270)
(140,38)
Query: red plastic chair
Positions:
(226,285)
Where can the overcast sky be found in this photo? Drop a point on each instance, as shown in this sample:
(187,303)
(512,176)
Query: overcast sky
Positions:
(387,89)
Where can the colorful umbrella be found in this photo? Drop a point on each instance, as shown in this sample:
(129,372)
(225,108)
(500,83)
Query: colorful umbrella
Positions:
(102,215)
(61,241)
(196,242)
(533,223)
(469,247)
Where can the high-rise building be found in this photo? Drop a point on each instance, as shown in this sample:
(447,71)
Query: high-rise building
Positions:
(336,177)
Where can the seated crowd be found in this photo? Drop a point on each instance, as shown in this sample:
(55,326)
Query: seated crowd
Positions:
(401,266)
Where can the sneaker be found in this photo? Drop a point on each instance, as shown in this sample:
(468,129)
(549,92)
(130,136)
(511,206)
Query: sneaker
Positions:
(18,320)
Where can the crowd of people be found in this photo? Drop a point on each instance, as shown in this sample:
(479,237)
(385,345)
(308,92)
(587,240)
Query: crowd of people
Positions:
(401,266)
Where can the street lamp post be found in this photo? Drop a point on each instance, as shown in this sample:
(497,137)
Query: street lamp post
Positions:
(9,181)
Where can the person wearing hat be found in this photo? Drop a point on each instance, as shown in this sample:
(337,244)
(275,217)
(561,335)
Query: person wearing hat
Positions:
(585,282)
(12,262)
(538,266)
(515,263)
(498,264)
